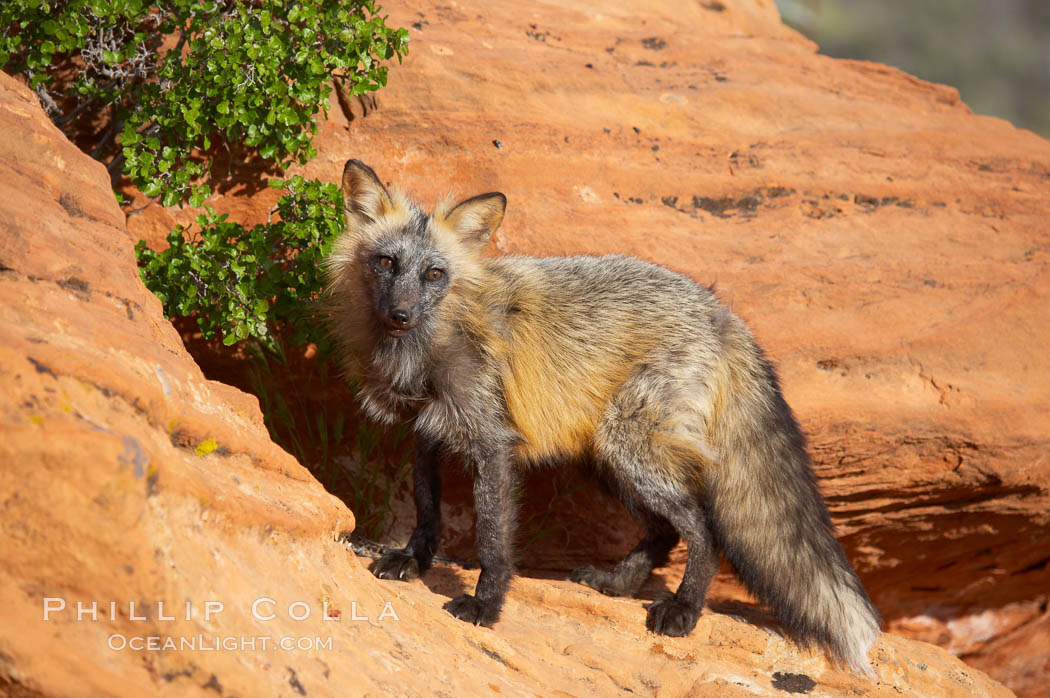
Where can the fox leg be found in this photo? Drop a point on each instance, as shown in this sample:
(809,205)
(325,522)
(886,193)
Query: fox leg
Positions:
(630,573)
(677,615)
(645,441)
(683,516)
(495,508)
(417,556)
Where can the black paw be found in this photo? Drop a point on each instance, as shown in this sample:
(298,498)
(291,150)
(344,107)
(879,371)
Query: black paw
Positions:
(670,616)
(468,608)
(397,564)
(605,582)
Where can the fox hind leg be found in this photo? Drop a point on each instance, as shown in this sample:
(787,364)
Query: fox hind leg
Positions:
(662,476)
(682,515)
(630,573)
(677,615)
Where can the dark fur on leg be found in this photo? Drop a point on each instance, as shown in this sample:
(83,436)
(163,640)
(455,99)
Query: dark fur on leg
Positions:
(496,510)
(630,573)
(418,555)
(642,475)
(677,615)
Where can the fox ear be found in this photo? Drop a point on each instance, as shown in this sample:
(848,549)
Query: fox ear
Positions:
(477,218)
(365,198)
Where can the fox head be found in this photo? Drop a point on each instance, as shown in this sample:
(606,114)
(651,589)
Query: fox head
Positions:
(395,263)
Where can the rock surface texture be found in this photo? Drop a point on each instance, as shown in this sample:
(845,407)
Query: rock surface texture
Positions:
(137,495)
(889,249)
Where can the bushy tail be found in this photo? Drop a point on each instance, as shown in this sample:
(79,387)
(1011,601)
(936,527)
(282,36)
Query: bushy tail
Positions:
(772,524)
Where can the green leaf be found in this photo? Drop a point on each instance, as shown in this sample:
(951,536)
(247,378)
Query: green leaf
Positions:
(257,79)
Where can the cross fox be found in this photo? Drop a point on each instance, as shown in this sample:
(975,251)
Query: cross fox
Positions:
(518,362)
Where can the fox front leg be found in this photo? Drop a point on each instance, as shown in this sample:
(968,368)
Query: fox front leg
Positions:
(417,556)
(495,507)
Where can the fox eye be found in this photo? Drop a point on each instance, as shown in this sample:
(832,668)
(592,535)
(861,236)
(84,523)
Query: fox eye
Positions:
(386,263)
(433,274)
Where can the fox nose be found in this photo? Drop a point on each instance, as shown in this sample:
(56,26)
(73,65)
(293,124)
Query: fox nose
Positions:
(399,317)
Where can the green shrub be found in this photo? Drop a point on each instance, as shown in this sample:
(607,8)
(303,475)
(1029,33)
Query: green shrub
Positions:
(249,282)
(176,78)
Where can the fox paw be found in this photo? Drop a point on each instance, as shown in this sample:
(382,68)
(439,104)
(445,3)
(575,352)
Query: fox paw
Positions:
(397,564)
(605,582)
(469,609)
(670,616)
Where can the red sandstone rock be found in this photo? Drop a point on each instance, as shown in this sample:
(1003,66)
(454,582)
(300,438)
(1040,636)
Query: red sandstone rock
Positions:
(889,248)
(129,479)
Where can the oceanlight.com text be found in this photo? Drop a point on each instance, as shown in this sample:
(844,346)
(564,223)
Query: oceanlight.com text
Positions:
(216,643)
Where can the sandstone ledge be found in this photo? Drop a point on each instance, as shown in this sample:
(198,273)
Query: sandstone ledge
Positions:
(889,248)
(111,494)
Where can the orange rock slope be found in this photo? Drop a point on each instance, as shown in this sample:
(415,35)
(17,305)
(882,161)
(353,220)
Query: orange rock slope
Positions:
(889,248)
(157,543)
